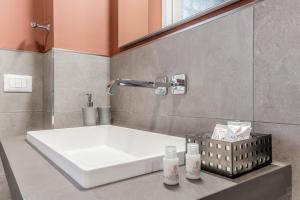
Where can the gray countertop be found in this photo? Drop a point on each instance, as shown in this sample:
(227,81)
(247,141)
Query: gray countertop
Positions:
(35,178)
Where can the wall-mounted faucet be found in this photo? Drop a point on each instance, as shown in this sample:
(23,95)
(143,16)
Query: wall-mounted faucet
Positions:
(42,26)
(177,84)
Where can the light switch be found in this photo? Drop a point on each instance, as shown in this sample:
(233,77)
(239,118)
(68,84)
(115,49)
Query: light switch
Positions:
(24,83)
(12,83)
(17,83)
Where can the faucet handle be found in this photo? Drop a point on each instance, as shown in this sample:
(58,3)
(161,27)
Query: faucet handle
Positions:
(178,84)
(161,86)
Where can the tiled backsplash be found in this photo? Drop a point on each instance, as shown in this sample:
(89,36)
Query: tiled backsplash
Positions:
(219,69)
(21,111)
(243,66)
(60,81)
(277,79)
(239,67)
(48,84)
(75,75)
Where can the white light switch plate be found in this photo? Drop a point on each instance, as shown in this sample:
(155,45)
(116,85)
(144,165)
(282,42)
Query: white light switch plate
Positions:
(17,83)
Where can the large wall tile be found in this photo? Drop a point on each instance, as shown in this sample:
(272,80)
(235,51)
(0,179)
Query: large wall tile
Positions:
(47,117)
(48,82)
(276,61)
(73,99)
(22,63)
(68,119)
(286,140)
(220,78)
(20,112)
(75,75)
(171,125)
(20,122)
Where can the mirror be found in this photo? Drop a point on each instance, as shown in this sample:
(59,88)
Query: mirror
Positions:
(138,19)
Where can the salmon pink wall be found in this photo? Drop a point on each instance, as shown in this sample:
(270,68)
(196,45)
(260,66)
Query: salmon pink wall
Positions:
(77,25)
(15,18)
(132,20)
(92,26)
(137,18)
(114,29)
(48,19)
(82,25)
(155,15)
(86,26)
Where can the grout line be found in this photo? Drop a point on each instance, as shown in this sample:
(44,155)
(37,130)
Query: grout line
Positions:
(21,51)
(79,52)
(179,116)
(52,85)
(194,117)
(51,49)
(278,123)
(67,112)
(18,112)
(253,68)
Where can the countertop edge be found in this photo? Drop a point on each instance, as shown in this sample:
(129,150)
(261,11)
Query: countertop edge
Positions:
(7,147)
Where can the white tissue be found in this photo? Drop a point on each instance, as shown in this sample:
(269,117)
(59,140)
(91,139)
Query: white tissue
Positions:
(232,132)
(220,132)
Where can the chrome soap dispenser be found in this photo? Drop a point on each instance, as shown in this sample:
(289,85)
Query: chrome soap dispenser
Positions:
(89,113)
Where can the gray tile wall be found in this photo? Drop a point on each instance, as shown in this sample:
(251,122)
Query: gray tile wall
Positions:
(60,81)
(76,74)
(243,66)
(286,142)
(277,79)
(20,112)
(48,84)
(219,68)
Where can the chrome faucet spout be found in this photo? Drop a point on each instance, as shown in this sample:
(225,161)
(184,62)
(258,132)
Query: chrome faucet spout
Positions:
(160,85)
(131,83)
(136,83)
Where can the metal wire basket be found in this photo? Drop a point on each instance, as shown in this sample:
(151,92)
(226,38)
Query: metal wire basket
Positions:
(232,159)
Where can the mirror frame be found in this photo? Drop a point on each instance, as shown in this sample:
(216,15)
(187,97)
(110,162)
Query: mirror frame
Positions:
(179,23)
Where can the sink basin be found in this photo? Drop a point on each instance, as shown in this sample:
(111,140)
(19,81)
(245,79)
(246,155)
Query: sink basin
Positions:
(98,155)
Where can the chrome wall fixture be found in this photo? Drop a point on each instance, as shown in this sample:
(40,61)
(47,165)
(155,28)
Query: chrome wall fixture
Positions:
(47,27)
(161,84)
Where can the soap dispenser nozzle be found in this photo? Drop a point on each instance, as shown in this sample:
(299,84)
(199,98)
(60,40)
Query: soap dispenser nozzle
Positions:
(90,103)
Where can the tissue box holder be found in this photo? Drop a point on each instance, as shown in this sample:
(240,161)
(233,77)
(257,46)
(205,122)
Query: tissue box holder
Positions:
(232,159)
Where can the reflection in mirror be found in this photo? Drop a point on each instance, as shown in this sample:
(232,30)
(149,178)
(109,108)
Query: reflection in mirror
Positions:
(139,18)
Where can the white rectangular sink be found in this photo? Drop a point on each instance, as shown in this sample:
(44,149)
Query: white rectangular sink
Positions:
(98,155)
